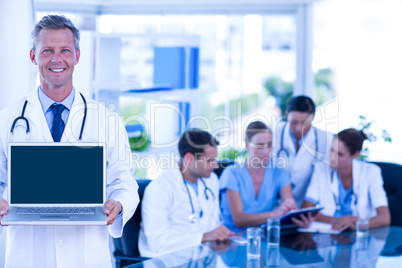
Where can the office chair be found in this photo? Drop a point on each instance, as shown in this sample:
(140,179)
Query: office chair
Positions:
(223,163)
(126,247)
(392,176)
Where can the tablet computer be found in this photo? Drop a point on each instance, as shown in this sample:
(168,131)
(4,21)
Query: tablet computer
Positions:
(287,218)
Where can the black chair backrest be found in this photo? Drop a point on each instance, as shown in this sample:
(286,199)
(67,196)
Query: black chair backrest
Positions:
(127,244)
(392,176)
(222,164)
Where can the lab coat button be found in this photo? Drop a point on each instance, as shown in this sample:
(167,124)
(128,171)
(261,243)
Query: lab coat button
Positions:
(61,242)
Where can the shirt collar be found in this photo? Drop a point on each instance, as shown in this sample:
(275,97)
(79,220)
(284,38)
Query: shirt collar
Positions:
(294,138)
(46,102)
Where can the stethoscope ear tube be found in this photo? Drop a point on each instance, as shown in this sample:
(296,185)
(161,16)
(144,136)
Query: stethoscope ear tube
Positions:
(85,116)
(22,117)
(28,130)
(282,148)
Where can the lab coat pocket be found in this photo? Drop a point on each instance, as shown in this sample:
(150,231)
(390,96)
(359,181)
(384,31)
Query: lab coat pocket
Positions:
(97,245)
(19,243)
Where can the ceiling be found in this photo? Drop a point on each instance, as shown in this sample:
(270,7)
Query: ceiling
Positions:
(101,7)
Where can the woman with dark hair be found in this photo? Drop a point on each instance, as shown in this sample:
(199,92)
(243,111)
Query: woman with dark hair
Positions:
(250,189)
(298,144)
(348,189)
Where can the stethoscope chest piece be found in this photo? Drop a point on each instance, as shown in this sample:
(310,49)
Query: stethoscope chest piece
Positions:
(193,218)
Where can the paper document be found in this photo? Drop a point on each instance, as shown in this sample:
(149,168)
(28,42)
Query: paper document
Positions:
(319,227)
(238,240)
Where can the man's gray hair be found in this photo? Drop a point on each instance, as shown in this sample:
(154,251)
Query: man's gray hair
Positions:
(54,22)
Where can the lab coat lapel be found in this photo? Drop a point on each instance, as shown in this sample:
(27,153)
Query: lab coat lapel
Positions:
(73,127)
(334,185)
(36,117)
(356,170)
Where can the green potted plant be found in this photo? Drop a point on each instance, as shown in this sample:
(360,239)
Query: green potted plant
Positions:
(365,126)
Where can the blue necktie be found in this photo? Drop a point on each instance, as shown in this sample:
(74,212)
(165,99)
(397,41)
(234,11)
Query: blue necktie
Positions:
(58,124)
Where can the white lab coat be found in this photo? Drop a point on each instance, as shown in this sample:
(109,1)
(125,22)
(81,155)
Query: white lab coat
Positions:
(70,246)
(367,186)
(166,209)
(300,166)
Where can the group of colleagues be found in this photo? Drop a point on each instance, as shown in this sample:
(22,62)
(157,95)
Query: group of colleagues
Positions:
(186,205)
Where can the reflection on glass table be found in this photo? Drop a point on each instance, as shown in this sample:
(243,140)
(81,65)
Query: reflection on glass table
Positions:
(382,248)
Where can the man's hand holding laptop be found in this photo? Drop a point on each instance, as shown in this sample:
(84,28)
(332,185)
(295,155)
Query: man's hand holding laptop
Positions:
(3,208)
(112,209)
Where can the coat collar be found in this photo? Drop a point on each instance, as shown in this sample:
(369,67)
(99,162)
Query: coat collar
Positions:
(36,117)
(308,141)
(75,120)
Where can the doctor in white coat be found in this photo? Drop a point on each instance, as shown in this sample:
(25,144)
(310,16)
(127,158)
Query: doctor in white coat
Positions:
(348,188)
(297,145)
(55,52)
(180,208)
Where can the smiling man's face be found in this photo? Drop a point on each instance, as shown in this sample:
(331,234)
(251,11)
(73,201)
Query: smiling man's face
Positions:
(56,56)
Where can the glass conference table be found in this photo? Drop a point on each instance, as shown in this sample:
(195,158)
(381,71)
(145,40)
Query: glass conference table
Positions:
(383,248)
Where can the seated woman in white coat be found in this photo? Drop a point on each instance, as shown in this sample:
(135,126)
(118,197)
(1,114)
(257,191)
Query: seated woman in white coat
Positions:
(348,189)
(297,144)
(250,190)
(180,208)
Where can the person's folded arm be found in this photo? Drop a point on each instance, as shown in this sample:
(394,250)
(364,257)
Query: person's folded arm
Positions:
(383,218)
(242,219)
(378,199)
(220,233)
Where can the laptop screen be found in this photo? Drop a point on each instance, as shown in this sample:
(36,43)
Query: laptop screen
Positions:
(56,173)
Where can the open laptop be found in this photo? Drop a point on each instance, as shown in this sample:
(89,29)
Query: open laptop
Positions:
(56,184)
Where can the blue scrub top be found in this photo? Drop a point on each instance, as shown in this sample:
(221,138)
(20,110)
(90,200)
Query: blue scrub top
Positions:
(238,179)
(345,200)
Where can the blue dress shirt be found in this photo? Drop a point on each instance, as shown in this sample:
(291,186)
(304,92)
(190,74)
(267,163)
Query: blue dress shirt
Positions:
(46,102)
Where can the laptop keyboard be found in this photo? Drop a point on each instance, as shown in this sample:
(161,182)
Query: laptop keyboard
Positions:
(56,210)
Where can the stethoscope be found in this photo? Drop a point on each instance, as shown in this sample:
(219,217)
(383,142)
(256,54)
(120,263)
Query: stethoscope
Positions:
(282,148)
(353,202)
(28,130)
(193,217)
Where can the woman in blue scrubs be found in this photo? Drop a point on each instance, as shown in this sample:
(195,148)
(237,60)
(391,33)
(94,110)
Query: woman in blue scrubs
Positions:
(250,189)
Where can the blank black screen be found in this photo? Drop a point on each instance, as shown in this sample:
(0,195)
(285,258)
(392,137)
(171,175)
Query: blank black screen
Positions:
(56,174)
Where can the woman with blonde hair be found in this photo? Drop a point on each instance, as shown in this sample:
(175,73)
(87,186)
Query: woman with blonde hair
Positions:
(250,190)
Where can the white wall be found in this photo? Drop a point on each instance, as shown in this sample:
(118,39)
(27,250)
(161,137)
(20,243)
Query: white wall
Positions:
(361,40)
(16,72)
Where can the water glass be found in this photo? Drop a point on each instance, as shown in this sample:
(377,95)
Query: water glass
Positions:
(273,254)
(362,228)
(253,263)
(253,243)
(273,231)
(362,242)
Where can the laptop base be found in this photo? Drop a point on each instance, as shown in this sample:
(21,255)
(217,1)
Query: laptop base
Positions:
(12,218)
